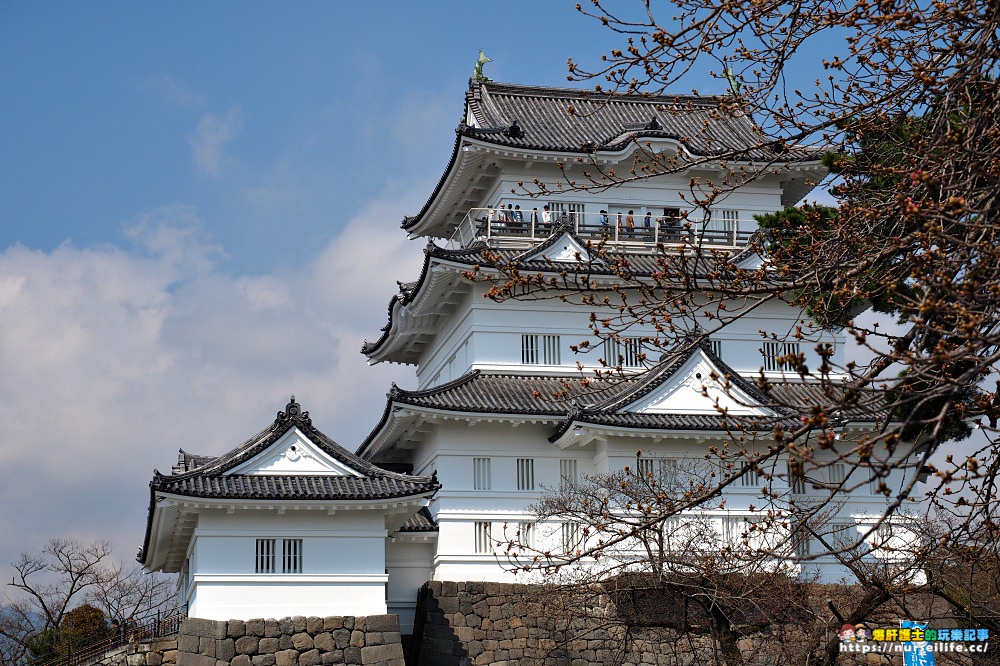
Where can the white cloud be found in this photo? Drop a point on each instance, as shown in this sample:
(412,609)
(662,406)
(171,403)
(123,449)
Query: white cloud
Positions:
(175,93)
(210,138)
(114,358)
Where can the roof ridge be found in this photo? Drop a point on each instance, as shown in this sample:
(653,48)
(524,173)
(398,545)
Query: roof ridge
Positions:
(607,95)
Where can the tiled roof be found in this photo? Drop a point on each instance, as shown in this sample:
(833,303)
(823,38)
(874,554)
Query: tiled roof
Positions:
(209,477)
(607,263)
(538,118)
(421,521)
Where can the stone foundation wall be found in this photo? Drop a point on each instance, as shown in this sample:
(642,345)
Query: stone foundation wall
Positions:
(496,624)
(290,641)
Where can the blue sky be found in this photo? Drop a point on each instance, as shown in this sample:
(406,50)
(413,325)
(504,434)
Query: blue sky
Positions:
(199,215)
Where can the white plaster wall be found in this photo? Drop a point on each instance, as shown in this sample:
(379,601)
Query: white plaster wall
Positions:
(343,564)
(409,564)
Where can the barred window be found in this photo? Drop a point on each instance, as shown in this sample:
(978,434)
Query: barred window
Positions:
(750,478)
(525,473)
(661,470)
(481,474)
(796,481)
(526,535)
(569,536)
(540,350)
(291,556)
(483,537)
(567,472)
(837,473)
(717,347)
(773,351)
(626,352)
(265,555)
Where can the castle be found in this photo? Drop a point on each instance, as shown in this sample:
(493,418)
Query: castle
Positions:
(291,523)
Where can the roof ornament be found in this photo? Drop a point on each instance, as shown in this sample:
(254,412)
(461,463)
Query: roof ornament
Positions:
(734,83)
(514,131)
(654,124)
(477,73)
(293,412)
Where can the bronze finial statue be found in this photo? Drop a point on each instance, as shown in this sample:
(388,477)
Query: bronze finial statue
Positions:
(477,73)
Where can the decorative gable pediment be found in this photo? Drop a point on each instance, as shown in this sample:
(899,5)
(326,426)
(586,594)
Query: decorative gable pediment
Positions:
(692,390)
(566,249)
(294,453)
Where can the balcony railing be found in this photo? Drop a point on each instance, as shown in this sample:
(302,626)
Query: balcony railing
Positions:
(495,224)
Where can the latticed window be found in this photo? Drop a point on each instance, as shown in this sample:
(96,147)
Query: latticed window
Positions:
(837,473)
(626,352)
(775,350)
(717,347)
(526,534)
(569,534)
(291,556)
(266,555)
(796,481)
(567,472)
(481,474)
(525,474)
(662,470)
(751,478)
(540,349)
(483,536)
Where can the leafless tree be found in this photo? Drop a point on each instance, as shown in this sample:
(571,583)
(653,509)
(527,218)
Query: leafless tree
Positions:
(64,575)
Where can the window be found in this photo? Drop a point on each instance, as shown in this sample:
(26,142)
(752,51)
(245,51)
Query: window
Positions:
(796,481)
(661,470)
(567,472)
(625,352)
(801,540)
(723,225)
(526,535)
(525,474)
(481,474)
(265,555)
(569,536)
(717,347)
(750,478)
(540,349)
(774,350)
(837,473)
(291,556)
(484,537)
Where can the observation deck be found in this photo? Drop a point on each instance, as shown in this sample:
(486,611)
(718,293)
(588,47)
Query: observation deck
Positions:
(640,233)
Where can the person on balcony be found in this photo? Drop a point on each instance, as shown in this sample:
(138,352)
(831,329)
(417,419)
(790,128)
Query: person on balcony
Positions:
(647,225)
(630,225)
(518,219)
(604,218)
(547,217)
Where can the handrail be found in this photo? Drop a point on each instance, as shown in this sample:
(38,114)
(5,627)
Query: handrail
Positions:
(163,624)
(536,226)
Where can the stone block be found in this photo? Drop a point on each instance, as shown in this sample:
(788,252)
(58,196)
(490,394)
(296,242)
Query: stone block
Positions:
(352,655)
(333,622)
(342,637)
(349,622)
(192,659)
(263,660)
(203,628)
(324,641)
(255,627)
(285,625)
(241,660)
(287,658)
(380,654)
(298,623)
(271,629)
(247,645)
(361,623)
(390,637)
(170,656)
(188,643)
(285,642)
(268,646)
(449,588)
(225,649)
(136,659)
(309,658)
(314,625)
(329,658)
(357,638)
(382,623)
(154,659)
(373,638)
(465,634)
(207,647)
(236,628)
(302,642)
